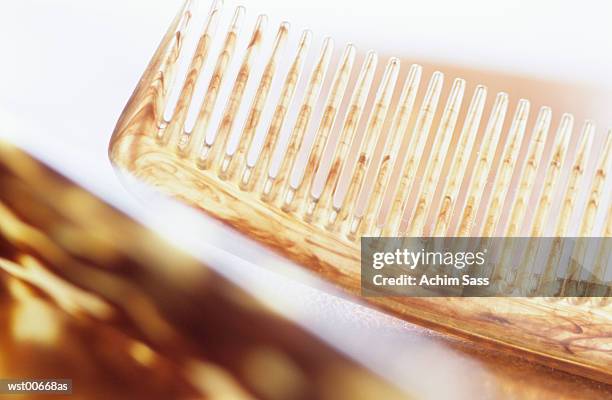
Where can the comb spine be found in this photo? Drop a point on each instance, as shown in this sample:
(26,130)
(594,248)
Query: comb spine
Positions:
(175,129)
(392,147)
(478,180)
(295,197)
(415,149)
(459,161)
(434,164)
(349,128)
(588,219)
(567,206)
(237,160)
(210,155)
(273,185)
(372,135)
(560,148)
(252,178)
(190,145)
(506,170)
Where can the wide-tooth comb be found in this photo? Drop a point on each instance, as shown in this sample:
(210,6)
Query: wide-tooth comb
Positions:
(385,174)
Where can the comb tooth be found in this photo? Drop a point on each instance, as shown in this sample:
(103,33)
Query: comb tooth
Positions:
(212,153)
(460,160)
(590,212)
(588,219)
(238,159)
(519,206)
(435,163)
(398,129)
(196,139)
(252,177)
(608,226)
(349,127)
(149,98)
(605,250)
(550,181)
(602,260)
(560,149)
(415,148)
(573,187)
(175,128)
(273,184)
(567,206)
(481,171)
(372,135)
(162,82)
(330,112)
(504,175)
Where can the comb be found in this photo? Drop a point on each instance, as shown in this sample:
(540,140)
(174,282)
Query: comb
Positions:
(382,162)
(73,286)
